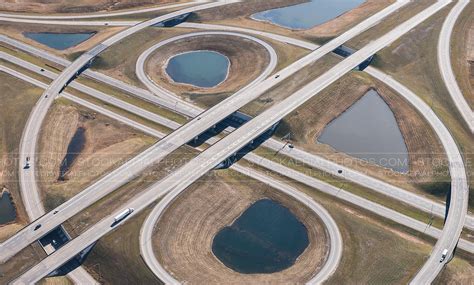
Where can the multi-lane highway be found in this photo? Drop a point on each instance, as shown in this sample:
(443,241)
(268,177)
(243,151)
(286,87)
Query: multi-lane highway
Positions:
(385,188)
(105,79)
(30,134)
(184,106)
(145,129)
(315,161)
(171,142)
(445,67)
(28,185)
(458,177)
(183,177)
(273,166)
(417,201)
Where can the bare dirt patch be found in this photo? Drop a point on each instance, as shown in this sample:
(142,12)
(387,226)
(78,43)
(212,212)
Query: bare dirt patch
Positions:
(16,101)
(183,237)
(422,143)
(108,143)
(247,61)
(240,15)
(78,6)
(60,280)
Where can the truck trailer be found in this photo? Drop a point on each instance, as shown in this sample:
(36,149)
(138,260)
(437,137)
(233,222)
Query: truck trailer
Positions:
(122,215)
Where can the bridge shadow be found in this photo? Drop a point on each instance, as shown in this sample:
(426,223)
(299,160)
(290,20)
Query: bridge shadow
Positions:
(247,148)
(72,263)
(235,120)
(448,203)
(345,51)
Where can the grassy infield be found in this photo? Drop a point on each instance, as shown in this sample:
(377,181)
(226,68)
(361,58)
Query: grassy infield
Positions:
(363,229)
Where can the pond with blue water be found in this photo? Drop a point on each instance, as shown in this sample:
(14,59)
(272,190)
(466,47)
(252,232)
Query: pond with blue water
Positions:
(7,209)
(202,68)
(368,130)
(307,15)
(266,238)
(59,41)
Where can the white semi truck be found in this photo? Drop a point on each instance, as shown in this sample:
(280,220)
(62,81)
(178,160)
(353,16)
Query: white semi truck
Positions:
(444,254)
(122,215)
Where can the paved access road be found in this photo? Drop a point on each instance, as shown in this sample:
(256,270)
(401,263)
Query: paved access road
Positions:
(445,66)
(171,142)
(166,95)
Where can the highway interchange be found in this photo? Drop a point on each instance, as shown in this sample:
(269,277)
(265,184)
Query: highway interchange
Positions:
(232,143)
(170,143)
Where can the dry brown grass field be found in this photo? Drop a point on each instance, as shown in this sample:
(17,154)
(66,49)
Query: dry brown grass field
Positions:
(107,144)
(17,98)
(78,6)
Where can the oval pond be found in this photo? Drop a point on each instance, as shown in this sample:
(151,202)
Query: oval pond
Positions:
(266,238)
(203,69)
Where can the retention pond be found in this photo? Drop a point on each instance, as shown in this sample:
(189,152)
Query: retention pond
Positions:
(59,41)
(307,15)
(368,130)
(203,69)
(266,238)
(7,210)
